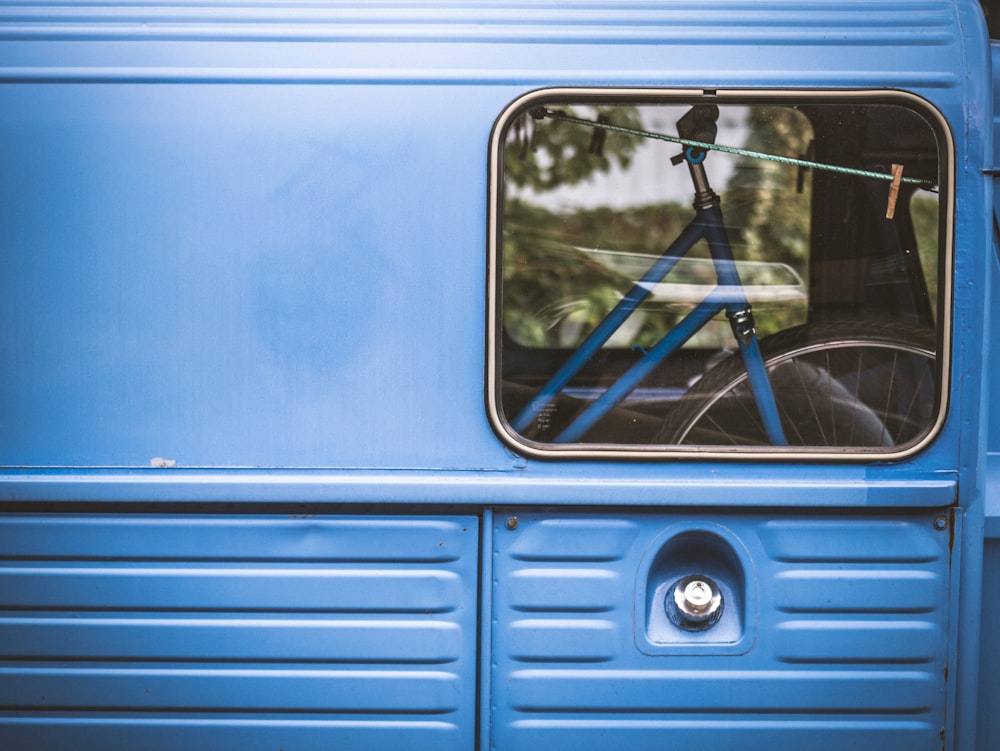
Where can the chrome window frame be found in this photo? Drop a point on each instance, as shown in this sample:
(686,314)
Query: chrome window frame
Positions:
(628,95)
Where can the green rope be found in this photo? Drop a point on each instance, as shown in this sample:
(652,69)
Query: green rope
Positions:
(540,112)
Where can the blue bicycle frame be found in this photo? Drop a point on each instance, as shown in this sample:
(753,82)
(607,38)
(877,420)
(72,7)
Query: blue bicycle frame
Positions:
(729,295)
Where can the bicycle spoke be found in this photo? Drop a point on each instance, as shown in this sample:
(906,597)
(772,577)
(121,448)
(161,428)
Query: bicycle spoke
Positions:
(888,396)
(721,430)
(829,390)
(812,405)
(913,399)
(857,397)
(753,414)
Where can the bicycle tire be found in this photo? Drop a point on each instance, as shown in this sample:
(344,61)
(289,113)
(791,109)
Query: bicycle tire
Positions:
(836,385)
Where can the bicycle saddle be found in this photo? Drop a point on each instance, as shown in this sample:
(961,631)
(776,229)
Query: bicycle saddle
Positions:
(700,123)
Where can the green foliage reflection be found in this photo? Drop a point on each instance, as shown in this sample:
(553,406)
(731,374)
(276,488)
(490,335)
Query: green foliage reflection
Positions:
(558,283)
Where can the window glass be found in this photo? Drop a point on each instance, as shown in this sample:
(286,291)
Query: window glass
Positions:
(746,274)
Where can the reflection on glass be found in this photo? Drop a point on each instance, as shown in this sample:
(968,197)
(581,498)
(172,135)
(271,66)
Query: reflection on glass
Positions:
(587,211)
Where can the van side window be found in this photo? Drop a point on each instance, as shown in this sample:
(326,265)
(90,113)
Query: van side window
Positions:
(717,274)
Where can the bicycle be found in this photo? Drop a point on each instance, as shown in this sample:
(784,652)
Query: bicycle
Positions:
(826,385)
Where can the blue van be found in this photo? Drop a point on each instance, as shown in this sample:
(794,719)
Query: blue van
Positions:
(498,375)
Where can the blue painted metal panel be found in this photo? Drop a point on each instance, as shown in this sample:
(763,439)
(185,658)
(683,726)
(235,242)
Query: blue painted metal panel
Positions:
(233,273)
(238,236)
(237,632)
(619,485)
(988,725)
(227,227)
(839,638)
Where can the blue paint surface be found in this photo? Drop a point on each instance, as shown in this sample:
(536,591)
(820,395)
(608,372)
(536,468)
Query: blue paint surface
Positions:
(243,263)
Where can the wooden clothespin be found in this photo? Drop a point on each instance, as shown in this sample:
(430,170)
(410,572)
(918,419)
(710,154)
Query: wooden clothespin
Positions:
(599,136)
(897,176)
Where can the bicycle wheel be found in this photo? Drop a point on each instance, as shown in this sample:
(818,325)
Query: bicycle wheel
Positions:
(857,385)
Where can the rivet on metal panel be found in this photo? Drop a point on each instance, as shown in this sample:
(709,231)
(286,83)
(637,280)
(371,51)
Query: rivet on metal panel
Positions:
(941,523)
(511,522)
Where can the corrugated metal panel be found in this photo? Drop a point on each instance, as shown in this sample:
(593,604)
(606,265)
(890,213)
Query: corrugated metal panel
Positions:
(241,633)
(529,43)
(841,634)
(988,719)
(567,21)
